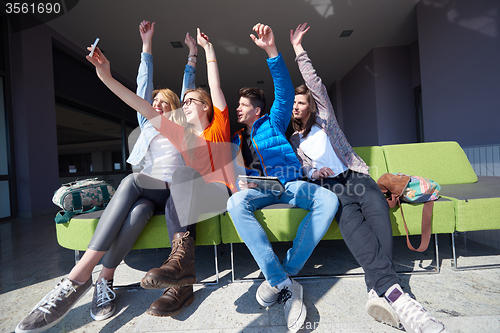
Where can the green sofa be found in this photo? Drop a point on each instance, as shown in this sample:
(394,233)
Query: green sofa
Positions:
(468,203)
(476,199)
(76,234)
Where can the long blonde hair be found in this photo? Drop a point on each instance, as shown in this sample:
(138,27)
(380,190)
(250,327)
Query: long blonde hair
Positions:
(176,114)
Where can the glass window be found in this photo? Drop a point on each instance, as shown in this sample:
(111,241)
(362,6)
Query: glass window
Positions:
(88,143)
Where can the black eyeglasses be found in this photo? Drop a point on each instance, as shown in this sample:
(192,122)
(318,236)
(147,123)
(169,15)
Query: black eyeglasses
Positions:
(188,101)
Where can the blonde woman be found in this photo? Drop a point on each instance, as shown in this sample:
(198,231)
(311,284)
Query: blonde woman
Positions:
(206,177)
(131,207)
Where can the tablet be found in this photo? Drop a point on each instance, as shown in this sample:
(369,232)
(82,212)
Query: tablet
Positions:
(265,183)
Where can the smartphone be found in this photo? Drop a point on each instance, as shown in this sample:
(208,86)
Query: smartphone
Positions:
(93,47)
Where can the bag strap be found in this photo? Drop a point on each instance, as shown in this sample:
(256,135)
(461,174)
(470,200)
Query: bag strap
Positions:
(105,193)
(426,226)
(77,201)
(64,216)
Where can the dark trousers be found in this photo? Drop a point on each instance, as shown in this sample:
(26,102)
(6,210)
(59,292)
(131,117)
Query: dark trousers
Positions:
(363,218)
(191,196)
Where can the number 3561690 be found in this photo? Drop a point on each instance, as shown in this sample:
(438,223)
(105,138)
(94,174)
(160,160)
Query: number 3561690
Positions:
(32,8)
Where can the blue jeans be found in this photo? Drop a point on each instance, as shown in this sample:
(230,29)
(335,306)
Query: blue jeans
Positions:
(322,206)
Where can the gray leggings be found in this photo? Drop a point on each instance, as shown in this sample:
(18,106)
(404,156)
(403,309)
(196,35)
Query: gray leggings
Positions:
(126,215)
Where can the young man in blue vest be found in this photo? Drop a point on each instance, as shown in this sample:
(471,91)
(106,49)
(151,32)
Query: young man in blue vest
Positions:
(265,151)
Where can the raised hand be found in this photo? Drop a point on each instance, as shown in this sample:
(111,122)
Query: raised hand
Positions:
(202,38)
(191,43)
(146,29)
(296,37)
(102,65)
(265,39)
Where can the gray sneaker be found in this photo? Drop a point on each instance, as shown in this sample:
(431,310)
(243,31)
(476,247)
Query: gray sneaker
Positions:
(380,309)
(103,302)
(267,295)
(54,306)
(295,310)
(413,316)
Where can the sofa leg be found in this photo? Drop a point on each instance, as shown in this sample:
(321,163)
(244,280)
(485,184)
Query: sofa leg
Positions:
(453,247)
(216,270)
(77,257)
(438,266)
(455,255)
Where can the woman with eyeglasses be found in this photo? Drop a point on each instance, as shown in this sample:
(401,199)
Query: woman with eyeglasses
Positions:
(201,186)
(133,204)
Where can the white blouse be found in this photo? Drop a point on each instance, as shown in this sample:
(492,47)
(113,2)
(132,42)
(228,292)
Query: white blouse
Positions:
(161,159)
(318,148)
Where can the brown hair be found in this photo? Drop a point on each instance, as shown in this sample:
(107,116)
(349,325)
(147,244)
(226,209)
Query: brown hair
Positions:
(256,96)
(190,134)
(205,97)
(297,123)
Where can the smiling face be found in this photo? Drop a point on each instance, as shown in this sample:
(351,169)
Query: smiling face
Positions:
(301,110)
(161,105)
(246,113)
(194,108)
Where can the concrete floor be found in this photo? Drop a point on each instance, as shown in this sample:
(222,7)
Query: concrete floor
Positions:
(31,263)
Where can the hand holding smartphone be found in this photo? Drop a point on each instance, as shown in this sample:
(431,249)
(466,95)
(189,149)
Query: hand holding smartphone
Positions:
(93,47)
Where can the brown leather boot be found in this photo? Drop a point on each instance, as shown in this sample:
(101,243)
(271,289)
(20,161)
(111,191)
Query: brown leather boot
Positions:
(172,301)
(179,269)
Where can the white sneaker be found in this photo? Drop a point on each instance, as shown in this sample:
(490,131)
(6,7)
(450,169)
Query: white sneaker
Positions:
(412,315)
(267,295)
(380,309)
(295,310)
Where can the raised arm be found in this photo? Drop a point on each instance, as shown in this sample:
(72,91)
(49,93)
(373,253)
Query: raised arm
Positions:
(296,38)
(216,93)
(188,81)
(265,39)
(281,110)
(135,102)
(325,113)
(145,73)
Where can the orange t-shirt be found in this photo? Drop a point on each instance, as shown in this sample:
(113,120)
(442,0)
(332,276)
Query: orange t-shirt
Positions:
(211,153)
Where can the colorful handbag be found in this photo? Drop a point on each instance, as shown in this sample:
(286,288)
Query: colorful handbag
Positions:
(81,196)
(399,187)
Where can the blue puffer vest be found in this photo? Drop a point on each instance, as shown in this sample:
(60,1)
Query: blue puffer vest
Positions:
(276,155)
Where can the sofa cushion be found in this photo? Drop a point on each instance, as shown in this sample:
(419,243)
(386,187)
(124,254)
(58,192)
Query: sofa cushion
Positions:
(443,162)
(442,222)
(77,233)
(374,158)
(477,206)
(280,221)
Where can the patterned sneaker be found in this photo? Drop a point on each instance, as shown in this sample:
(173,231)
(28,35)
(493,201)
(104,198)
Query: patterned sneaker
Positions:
(381,310)
(412,315)
(295,310)
(54,306)
(103,302)
(267,295)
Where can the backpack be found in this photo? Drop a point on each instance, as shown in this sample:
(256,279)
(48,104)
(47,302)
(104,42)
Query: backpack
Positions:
(81,196)
(399,187)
